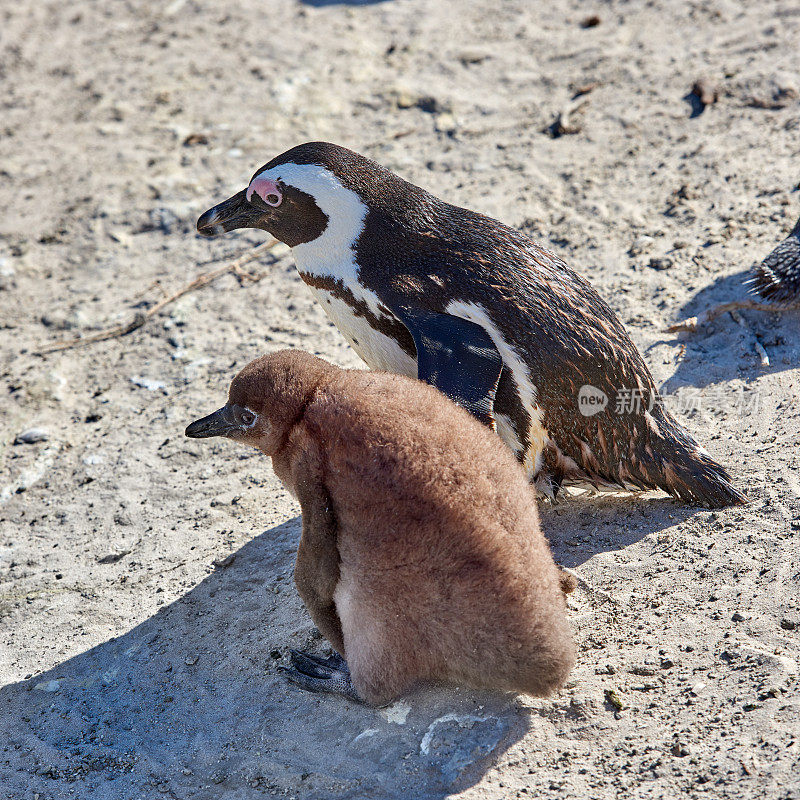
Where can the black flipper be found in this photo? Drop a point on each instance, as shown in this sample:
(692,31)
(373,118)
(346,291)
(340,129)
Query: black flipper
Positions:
(457,357)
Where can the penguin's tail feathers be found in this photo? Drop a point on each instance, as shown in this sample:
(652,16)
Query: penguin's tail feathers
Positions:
(685,470)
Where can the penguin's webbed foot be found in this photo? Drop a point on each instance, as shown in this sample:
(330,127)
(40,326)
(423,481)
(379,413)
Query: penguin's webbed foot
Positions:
(316,674)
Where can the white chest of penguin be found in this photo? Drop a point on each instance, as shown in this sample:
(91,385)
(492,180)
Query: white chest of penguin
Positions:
(375,348)
(379,351)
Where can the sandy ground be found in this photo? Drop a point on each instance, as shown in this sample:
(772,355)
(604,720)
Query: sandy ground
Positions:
(145,579)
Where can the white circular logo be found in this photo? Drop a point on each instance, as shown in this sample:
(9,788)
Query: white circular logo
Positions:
(591,400)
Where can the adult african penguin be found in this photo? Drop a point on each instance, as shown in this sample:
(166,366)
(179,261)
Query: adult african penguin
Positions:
(496,322)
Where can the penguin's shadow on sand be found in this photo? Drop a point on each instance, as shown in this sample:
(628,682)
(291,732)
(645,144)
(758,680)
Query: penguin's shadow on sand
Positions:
(584,526)
(190,701)
(724,350)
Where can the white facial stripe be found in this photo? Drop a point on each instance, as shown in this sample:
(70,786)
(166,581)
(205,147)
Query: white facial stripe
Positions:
(343,207)
(331,254)
(537,434)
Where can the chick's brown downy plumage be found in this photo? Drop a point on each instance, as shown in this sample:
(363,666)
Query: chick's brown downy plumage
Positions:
(421,556)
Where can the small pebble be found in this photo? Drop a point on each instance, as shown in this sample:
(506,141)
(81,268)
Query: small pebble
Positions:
(147,383)
(49,686)
(706,91)
(613,699)
(112,558)
(32,435)
(444,123)
(662,263)
(194,139)
(222,563)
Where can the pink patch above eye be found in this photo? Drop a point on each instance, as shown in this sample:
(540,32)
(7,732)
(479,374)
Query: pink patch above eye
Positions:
(266,189)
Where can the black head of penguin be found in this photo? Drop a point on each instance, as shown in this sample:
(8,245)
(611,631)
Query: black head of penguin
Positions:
(289,214)
(294,195)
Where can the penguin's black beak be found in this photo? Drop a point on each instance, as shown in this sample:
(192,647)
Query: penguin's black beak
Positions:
(230,214)
(221,423)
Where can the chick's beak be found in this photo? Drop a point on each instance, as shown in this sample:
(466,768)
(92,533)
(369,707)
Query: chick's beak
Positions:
(230,214)
(220,423)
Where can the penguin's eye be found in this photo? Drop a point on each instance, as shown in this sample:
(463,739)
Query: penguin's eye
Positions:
(247,418)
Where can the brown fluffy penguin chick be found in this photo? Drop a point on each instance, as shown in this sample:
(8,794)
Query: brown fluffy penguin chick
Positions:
(421,556)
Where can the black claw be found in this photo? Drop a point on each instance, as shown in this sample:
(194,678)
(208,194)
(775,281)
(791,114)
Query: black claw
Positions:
(337,661)
(333,661)
(309,665)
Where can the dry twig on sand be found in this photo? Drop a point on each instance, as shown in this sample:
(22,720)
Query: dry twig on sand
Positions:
(234,268)
(590,589)
(693,323)
(565,123)
(760,350)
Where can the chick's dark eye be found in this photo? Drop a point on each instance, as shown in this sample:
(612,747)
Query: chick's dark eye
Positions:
(247,417)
